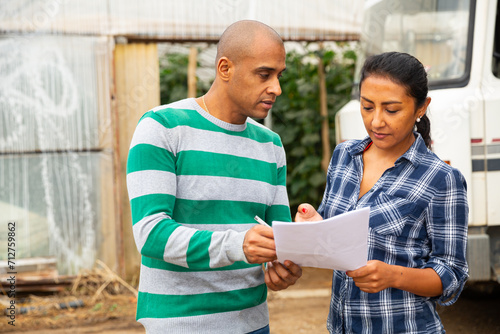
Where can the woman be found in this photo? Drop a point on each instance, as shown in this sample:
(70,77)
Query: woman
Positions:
(418,209)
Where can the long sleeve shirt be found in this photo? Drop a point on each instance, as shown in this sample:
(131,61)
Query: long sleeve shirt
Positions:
(418,219)
(195,184)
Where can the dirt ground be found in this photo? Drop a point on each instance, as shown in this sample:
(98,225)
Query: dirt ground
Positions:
(302,308)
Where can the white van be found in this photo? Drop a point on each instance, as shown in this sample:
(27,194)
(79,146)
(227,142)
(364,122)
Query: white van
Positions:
(459,43)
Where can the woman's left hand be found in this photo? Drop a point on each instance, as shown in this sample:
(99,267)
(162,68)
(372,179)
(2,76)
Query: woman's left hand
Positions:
(374,277)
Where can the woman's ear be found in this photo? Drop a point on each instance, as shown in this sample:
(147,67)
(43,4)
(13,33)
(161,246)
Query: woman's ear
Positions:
(423,109)
(427,102)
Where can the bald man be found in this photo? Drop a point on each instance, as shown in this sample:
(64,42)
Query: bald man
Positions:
(198,172)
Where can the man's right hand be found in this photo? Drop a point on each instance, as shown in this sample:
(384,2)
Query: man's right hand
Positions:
(258,245)
(307,213)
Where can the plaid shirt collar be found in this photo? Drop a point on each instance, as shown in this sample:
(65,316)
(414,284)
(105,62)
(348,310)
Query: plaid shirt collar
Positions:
(414,154)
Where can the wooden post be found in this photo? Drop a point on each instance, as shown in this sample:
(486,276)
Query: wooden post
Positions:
(325,130)
(193,54)
(137,87)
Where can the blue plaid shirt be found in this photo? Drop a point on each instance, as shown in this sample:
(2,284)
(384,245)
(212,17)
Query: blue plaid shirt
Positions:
(418,219)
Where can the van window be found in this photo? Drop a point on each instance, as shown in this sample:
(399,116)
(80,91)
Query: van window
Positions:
(496,45)
(437,32)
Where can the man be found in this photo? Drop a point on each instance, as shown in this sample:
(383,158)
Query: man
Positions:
(199,171)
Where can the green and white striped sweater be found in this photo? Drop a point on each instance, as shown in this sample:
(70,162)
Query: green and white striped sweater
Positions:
(195,184)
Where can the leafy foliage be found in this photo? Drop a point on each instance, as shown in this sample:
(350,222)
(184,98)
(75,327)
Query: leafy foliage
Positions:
(296,113)
(297,119)
(174,78)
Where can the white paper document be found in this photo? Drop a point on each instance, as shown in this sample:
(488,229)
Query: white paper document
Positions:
(337,243)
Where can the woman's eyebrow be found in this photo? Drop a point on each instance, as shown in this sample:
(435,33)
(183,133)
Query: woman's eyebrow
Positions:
(384,103)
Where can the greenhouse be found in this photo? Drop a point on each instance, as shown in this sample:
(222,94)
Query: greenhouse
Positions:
(75,78)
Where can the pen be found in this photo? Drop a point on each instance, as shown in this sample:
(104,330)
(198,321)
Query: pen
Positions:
(261,222)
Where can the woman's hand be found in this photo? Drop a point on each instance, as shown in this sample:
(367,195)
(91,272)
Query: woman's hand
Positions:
(377,276)
(307,213)
(374,277)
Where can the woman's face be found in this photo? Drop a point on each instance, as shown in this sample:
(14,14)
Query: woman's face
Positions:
(389,114)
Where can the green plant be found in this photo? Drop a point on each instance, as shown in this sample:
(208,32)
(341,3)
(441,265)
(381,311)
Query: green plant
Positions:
(97,307)
(297,119)
(174,78)
(296,113)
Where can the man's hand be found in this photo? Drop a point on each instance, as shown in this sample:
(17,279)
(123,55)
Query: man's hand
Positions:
(280,276)
(258,244)
(307,213)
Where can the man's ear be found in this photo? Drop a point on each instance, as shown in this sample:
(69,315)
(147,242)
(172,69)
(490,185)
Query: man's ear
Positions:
(224,68)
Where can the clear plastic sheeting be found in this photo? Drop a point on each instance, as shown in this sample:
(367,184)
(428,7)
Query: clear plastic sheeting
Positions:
(49,93)
(183,20)
(54,121)
(53,201)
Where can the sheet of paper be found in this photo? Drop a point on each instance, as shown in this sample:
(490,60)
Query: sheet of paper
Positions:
(337,243)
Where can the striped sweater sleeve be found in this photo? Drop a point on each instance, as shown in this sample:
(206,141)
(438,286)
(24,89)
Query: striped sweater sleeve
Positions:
(280,209)
(151,183)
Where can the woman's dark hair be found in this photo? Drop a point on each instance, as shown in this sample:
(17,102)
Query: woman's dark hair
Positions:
(408,71)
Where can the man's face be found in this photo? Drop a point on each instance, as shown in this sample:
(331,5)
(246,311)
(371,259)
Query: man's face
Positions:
(254,83)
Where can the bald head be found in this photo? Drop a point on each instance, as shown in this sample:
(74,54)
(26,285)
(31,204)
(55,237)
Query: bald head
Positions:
(238,39)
